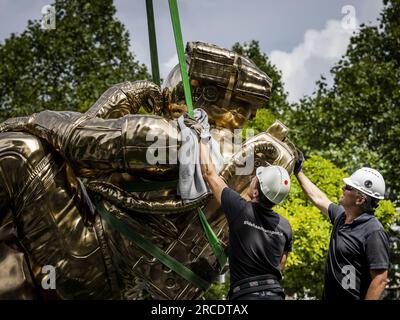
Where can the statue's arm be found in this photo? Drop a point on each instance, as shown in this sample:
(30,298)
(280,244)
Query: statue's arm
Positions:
(108,137)
(97,146)
(127,98)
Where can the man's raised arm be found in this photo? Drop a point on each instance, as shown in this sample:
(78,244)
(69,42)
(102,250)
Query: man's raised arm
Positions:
(215,182)
(320,200)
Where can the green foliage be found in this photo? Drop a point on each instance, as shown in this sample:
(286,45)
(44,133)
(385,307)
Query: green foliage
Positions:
(67,68)
(260,123)
(217,291)
(311,229)
(355,122)
(324,174)
(386,214)
(304,272)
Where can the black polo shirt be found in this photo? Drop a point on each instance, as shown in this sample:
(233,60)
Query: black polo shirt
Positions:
(258,236)
(354,250)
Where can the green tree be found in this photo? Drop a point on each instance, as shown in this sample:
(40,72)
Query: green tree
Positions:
(355,122)
(393,288)
(217,291)
(67,68)
(277,106)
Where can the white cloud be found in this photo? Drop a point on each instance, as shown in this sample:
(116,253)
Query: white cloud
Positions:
(167,66)
(316,55)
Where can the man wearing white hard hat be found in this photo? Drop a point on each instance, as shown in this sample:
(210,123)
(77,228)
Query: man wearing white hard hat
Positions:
(358,255)
(259,238)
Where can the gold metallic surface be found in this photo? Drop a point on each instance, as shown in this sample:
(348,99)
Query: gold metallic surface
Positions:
(228,70)
(47,216)
(52,220)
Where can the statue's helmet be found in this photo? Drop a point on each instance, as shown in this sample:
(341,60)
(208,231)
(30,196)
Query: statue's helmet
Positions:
(228,86)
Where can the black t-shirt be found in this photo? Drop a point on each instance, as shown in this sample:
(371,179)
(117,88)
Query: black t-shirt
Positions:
(257,237)
(354,250)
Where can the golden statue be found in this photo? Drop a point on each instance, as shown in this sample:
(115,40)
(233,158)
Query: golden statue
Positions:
(58,168)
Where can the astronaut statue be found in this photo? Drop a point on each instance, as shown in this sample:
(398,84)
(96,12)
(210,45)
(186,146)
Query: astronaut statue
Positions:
(62,173)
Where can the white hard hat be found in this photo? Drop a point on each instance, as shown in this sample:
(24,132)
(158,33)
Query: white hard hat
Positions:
(368,181)
(274,183)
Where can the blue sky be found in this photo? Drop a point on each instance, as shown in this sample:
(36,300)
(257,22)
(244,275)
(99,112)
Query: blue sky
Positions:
(303,38)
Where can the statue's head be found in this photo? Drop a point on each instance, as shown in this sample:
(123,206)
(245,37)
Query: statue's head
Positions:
(228,86)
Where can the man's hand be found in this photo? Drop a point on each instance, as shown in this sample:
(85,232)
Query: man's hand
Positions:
(299,163)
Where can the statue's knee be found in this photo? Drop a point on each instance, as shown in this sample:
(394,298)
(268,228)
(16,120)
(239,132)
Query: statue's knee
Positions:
(25,145)
(20,155)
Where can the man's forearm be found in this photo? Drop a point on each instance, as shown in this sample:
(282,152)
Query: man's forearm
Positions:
(319,198)
(375,291)
(309,188)
(209,172)
(207,166)
(376,288)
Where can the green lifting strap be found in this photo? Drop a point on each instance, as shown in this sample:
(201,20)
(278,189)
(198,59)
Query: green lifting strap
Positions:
(211,237)
(153,42)
(173,8)
(212,240)
(163,185)
(150,248)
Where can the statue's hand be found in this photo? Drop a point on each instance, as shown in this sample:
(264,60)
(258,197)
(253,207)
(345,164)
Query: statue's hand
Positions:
(174,110)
